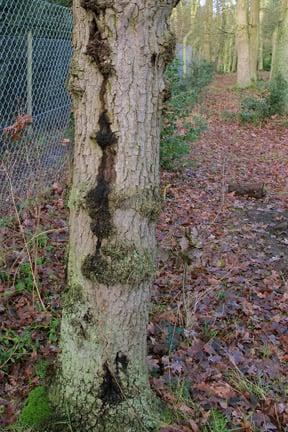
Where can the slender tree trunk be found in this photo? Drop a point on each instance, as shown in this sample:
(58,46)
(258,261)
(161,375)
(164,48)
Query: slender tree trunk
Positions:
(254,38)
(223,36)
(280,45)
(261,36)
(193,13)
(207,45)
(120,52)
(242,43)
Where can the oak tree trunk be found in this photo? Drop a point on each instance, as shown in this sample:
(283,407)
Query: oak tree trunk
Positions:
(242,44)
(121,49)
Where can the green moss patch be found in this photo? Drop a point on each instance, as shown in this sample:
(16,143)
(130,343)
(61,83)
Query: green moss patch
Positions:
(119,263)
(37,409)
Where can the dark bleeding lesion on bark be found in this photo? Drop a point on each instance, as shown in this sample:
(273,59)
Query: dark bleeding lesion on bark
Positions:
(99,49)
(153,59)
(111,391)
(97,199)
(96,6)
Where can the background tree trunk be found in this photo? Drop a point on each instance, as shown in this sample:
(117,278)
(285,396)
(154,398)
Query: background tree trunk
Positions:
(261,36)
(280,44)
(207,45)
(121,49)
(242,43)
(254,38)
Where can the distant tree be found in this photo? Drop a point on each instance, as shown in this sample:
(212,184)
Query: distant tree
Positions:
(254,35)
(208,29)
(280,50)
(242,44)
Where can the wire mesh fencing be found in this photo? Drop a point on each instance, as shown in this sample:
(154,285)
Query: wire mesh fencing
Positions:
(35,107)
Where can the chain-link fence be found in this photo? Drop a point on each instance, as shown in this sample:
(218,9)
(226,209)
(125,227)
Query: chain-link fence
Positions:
(35,52)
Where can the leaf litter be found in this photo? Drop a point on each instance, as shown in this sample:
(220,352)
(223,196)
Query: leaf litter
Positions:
(218,334)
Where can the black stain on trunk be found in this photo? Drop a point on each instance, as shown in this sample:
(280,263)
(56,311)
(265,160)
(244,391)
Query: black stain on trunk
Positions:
(111,390)
(96,6)
(99,49)
(97,199)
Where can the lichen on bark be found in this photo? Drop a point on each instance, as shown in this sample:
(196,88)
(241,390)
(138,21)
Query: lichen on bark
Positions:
(119,264)
(147,202)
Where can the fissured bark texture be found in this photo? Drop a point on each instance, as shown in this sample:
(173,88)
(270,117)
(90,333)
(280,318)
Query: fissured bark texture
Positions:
(121,49)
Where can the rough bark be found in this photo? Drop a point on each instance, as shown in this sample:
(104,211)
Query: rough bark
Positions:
(121,49)
(242,43)
(280,45)
(254,38)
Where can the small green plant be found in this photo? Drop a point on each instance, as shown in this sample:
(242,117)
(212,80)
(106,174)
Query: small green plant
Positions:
(184,94)
(255,110)
(228,116)
(4,276)
(208,332)
(221,296)
(6,221)
(277,98)
(24,279)
(266,351)
(42,240)
(14,346)
(217,422)
(41,369)
(54,330)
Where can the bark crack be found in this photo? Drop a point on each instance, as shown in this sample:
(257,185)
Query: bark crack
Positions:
(97,199)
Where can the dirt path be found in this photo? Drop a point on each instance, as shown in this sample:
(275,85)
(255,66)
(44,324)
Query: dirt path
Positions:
(218,334)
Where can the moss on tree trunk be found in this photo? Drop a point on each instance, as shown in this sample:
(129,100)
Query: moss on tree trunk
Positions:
(120,52)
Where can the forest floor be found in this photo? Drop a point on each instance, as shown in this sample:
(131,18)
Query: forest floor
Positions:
(218,331)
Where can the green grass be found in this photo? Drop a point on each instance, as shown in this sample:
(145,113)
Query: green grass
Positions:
(256,387)
(217,422)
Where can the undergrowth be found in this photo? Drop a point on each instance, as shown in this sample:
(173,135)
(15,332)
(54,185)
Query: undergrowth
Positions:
(256,109)
(184,93)
(217,422)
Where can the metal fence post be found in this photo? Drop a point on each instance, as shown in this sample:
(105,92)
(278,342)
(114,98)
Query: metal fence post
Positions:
(29,73)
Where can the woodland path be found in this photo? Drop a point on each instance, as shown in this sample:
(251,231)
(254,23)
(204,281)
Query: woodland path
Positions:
(219,326)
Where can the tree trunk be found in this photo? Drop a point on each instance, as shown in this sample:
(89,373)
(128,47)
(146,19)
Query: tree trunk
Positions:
(207,45)
(194,8)
(261,36)
(280,44)
(222,39)
(242,43)
(121,49)
(254,39)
